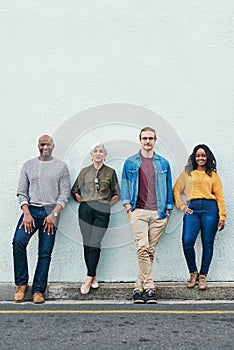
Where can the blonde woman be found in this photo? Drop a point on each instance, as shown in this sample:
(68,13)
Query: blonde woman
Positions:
(96,189)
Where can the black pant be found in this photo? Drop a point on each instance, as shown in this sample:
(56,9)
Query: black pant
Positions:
(93,220)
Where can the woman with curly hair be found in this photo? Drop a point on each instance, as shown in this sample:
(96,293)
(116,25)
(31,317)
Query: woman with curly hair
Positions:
(204,210)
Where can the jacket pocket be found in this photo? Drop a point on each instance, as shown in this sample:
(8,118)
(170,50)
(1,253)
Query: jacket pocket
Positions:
(162,174)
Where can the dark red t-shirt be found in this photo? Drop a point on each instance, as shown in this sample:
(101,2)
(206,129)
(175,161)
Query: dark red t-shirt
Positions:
(146,192)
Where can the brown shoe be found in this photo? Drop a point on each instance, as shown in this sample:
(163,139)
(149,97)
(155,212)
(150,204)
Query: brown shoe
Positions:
(38,298)
(193,279)
(20,293)
(202,282)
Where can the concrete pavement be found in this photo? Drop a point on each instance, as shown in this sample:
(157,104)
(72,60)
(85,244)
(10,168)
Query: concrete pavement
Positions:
(123,291)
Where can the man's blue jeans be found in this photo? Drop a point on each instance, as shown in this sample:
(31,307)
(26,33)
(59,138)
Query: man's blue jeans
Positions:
(45,248)
(205,217)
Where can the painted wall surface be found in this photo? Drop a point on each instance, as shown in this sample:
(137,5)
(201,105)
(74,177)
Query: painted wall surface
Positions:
(93,70)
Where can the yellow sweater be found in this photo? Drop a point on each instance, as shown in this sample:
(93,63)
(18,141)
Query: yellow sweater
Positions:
(199,185)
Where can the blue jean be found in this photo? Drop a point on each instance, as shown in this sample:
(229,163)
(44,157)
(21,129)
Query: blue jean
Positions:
(205,217)
(45,248)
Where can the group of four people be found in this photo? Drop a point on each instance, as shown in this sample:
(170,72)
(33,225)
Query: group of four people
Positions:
(147,195)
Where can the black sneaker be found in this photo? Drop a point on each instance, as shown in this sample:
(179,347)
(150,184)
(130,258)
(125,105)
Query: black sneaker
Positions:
(150,297)
(138,297)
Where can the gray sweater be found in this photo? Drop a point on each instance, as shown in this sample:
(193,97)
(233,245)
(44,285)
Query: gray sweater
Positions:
(44,183)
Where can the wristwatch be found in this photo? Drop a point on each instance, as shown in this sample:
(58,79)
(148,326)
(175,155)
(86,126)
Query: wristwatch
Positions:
(54,214)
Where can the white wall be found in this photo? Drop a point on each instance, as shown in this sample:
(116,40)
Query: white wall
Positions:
(88,70)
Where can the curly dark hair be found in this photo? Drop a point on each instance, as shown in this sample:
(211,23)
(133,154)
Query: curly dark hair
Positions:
(211,161)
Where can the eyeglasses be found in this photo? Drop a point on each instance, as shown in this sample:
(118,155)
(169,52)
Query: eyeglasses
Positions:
(148,138)
(96,181)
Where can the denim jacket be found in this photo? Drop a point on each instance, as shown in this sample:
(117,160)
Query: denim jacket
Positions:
(163,182)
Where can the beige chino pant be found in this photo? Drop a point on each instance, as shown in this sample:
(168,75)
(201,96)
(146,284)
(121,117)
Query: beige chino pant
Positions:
(147,229)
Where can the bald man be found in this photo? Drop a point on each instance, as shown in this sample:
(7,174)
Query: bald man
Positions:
(43,191)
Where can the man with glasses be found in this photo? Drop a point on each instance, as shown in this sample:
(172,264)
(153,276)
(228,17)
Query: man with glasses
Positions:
(146,192)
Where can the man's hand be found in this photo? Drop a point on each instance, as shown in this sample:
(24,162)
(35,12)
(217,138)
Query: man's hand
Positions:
(28,223)
(50,224)
(168,213)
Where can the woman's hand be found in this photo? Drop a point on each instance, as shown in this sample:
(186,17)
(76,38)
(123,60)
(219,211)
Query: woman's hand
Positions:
(114,199)
(187,211)
(221,225)
(78,197)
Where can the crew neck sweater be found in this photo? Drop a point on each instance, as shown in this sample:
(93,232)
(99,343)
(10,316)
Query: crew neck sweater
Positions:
(199,185)
(44,183)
